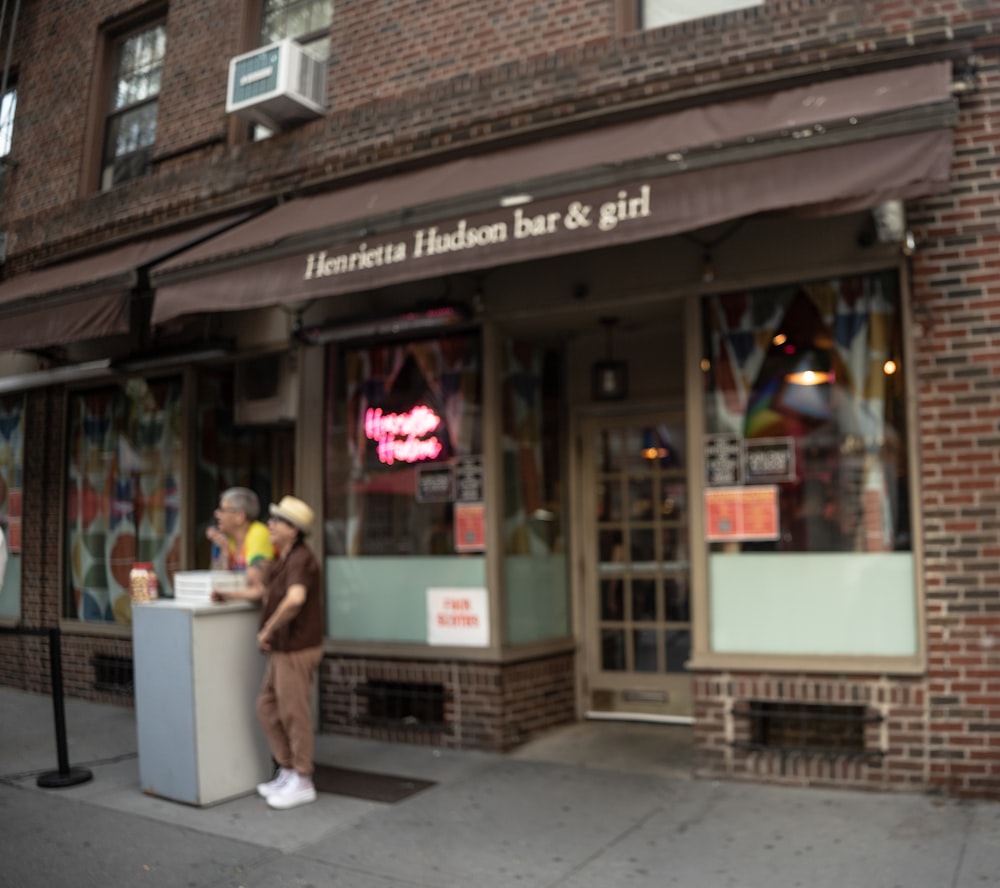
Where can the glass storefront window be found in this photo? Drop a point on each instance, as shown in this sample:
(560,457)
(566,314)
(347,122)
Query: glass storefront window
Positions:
(123,493)
(11,483)
(404,497)
(807,477)
(535,575)
(259,457)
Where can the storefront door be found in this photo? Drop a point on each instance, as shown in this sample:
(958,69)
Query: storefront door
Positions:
(636,568)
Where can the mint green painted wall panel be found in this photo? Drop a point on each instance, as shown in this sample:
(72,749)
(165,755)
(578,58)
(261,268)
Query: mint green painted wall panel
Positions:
(537,598)
(10,594)
(385,599)
(813,603)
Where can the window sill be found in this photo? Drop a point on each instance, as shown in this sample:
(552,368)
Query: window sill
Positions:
(710,661)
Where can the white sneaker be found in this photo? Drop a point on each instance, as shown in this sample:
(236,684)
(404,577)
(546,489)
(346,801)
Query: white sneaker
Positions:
(280,779)
(296,790)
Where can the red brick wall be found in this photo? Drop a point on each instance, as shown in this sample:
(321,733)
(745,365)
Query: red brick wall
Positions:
(531,74)
(487,705)
(956,307)
(895,738)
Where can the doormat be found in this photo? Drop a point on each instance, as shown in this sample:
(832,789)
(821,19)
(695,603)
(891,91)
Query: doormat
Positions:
(366,785)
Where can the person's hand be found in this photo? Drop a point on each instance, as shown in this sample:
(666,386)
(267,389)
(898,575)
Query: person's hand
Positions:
(217,536)
(264,640)
(219,596)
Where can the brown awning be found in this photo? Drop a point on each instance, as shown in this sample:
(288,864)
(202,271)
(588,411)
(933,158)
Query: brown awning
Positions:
(86,298)
(838,145)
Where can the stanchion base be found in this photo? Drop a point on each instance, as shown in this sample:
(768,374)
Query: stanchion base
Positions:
(61,779)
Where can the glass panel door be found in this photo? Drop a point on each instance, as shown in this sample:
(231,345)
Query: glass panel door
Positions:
(637,596)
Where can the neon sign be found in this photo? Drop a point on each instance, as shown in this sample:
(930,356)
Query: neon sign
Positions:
(402,437)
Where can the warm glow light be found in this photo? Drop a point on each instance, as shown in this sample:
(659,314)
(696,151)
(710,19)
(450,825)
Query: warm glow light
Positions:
(515,200)
(810,377)
(401,436)
(779,339)
(889,367)
(654,452)
(706,365)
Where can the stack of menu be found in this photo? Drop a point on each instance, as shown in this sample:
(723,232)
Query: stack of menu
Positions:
(196,586)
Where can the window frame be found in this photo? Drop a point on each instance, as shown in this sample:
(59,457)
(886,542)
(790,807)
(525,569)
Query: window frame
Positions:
(631,14)
(110,37)
(7,126)
(252,36)
(703,657)
(113,115)
(307,39)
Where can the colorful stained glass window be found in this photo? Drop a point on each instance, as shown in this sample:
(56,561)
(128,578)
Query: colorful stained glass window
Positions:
(123,494)
(804,398)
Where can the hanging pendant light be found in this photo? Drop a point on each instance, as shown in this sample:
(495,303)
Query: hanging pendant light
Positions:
(609,377)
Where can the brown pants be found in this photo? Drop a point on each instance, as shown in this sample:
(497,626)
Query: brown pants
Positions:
(283,707)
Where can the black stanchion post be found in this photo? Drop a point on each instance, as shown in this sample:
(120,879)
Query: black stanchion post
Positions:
(65,776)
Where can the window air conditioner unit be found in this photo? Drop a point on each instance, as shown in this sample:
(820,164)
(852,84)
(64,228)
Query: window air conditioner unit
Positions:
(276,85)
(267,390)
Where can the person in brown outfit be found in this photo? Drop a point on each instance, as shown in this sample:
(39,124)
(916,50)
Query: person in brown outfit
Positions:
(291,634)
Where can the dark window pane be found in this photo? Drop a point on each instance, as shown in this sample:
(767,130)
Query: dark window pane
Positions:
(613,650)
(609,502)
(678,609)
(678,649)
(609,546)
(645,650)
(612,600)
(643,546)
(643,600)
(673,504)
(641,498)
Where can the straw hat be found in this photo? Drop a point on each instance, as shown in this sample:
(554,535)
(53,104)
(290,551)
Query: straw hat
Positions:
(295,512)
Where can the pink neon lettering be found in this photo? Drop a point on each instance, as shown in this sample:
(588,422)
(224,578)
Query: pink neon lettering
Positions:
(400,436)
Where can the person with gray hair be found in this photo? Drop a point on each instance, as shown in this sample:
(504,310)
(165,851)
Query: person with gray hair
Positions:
(242,539)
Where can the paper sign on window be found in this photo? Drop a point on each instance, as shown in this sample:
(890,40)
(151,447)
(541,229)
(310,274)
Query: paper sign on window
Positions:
(742,513)
(458,616)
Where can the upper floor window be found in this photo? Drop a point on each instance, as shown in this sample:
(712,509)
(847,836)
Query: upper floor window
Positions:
(656,13)
(130,129)
(8,105)
(305,21)
(308,21)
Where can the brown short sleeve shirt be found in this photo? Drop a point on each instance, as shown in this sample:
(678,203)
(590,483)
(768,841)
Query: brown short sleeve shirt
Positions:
(306,628)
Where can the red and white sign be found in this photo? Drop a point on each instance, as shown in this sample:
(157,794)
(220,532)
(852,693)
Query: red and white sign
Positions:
(457,616)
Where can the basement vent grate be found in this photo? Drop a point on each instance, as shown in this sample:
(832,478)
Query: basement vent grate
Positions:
(400,703)
(807,728)
(113,674)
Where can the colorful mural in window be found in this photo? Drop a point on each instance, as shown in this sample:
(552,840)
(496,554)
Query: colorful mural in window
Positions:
(123,496)
(11,482)
(803,389)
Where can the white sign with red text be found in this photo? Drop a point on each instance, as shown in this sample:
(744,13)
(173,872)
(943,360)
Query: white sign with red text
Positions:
(457,616)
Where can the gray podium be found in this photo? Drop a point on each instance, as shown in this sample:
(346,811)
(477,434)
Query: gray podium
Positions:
(197,672)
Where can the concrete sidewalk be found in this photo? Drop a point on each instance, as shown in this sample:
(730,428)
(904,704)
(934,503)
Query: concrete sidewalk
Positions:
(487,820)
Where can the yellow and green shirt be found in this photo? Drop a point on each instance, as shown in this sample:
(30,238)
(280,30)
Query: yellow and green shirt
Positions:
(256,548)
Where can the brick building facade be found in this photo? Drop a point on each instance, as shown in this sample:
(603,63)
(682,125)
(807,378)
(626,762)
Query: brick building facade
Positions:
(434,111)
